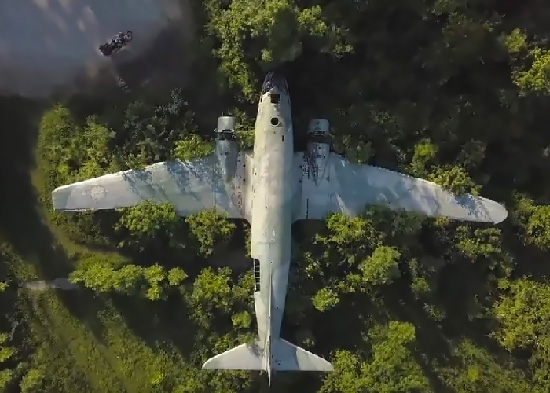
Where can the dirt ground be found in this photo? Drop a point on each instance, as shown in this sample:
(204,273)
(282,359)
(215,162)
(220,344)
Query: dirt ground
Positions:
(46,44)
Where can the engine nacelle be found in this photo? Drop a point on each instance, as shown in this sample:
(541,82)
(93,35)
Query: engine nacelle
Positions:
(318,148)
(318,127)
(227,148)
(226,125)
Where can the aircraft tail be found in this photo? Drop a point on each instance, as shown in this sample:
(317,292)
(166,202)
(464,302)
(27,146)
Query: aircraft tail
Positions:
(284,357)
(289,357)
(242,357)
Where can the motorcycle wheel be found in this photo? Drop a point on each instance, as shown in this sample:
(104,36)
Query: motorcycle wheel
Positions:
(129,36)
(106,50)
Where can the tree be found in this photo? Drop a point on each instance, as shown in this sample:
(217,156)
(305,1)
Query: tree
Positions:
(211,291)
(535,79)
(523,314)
(242,320)
(390,367)
(192,147)
(455,179)
(423,157)
(102,275)
(147,223)
(381,267)
(325,299)
(150,131)
(6,353)
(32,381)
(70,152)
(534,220)
(267,36)
(483,242)
(478,371)
(210,230)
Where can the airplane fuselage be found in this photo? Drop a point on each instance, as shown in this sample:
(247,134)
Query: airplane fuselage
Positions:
(272,212)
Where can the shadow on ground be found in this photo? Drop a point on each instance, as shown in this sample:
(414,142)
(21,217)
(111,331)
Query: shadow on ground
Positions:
(168,64)
(21,221)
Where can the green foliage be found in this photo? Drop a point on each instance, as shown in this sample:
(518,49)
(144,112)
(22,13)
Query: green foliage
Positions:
(381,267)
(523,314)
(423,157)
(425,274)
(534,220)
(147,222)
(535,79)
(154,275)
(176,276)
(347,233)
(450,90)
(477,371)
(148,218)
(242,320)
(33,381)
(538,227)
(151,282)
(483,242)
(472,154)
(244,128)
(6,377)
(210,228)
(268,34)
(150,131)
(391,366)
(455,179)
(192,147)
(515,41)
(215,296)
(211,290)
(73,152)
(70,152)
(7,352)
(325,299)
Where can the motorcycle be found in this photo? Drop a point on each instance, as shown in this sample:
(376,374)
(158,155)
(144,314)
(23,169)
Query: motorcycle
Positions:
(117,42)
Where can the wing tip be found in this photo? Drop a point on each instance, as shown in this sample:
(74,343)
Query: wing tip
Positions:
(501,216)
(496,211)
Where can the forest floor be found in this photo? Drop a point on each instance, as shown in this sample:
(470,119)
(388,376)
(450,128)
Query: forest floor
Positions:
(85,336)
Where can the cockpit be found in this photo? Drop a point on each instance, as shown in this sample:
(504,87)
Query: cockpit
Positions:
(274,80)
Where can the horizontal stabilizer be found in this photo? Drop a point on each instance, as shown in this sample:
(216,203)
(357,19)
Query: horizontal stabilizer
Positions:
(242,357)
(288,357)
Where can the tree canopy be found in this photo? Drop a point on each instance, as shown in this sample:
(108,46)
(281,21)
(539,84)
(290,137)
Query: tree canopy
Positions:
(454,91)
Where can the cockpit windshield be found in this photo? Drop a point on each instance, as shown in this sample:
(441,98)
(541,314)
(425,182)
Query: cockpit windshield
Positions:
(274,79)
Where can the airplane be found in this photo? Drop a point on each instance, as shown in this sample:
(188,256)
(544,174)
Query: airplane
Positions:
(272,187)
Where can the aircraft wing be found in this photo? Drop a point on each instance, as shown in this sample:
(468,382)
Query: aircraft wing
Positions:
(347,188)
(190,186)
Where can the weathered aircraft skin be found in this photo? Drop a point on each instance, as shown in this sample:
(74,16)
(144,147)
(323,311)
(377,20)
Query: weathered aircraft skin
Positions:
(272,187)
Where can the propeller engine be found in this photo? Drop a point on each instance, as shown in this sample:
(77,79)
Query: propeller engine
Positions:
(227,148)
(318,149)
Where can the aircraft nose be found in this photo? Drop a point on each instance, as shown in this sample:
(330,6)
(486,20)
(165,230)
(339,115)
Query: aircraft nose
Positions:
(274,79)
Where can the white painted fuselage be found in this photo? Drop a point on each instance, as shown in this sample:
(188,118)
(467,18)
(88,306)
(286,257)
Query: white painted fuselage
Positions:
(272,198)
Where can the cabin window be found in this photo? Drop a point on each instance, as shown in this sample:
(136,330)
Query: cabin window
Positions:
(274,121)
(256,275)
(275,98)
